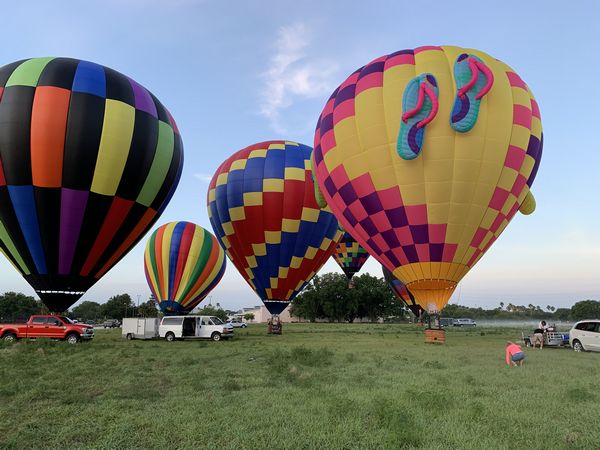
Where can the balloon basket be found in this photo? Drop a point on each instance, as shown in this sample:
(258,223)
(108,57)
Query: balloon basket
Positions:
(433,336)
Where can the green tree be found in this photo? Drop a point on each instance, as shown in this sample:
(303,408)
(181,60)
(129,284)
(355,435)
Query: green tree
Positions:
(17,307)
(118,306)
(87,311)
(562,314)
(148,309)
(249,316)
(212,311)
(586,309)
(374,296)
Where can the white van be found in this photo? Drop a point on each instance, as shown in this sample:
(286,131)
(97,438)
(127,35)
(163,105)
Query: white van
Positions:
(194,327)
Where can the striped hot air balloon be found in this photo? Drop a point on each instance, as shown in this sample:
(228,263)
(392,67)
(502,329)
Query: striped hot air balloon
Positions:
(183,263)
(88,161)
(262,207)
(424,156)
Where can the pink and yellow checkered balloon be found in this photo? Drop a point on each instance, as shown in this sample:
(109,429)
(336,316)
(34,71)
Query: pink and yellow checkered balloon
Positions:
(425,156)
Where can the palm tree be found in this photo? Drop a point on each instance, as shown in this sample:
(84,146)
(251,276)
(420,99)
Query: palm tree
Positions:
(501,305)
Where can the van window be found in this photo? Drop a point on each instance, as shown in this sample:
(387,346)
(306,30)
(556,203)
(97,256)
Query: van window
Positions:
(216,321)
(172,320)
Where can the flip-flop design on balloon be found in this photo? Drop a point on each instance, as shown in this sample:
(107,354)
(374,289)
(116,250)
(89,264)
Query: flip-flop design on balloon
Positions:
(88,161)
(429,219)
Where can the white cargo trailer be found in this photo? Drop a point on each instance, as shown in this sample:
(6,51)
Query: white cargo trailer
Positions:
(136,328)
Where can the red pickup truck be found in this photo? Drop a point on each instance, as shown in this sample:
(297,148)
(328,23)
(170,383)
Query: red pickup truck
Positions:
(47,326)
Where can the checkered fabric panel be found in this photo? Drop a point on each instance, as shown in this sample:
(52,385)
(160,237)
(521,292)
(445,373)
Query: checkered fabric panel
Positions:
(262,208)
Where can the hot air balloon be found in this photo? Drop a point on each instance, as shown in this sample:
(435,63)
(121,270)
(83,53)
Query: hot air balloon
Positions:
(425,156)
(262,208)
(402,293)
(88,161)
(349,255)
(183,262)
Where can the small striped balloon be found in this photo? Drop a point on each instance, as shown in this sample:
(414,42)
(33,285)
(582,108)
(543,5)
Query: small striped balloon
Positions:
(183,263)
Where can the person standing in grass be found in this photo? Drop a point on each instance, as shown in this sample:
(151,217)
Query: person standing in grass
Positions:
(514,354)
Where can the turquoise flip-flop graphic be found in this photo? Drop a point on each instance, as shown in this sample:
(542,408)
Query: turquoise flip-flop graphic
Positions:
(420,106)
(473,80)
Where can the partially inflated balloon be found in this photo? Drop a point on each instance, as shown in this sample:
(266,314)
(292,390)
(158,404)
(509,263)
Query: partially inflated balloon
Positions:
(262,207)
(349,255)
(88,161)
(425,156)
(402,293)
(183,263)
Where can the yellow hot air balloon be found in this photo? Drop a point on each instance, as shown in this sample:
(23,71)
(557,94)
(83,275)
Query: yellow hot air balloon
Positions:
(425,156)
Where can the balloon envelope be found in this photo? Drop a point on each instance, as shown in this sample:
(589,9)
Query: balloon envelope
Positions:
(349,255)
(262,207)
(183,262)
(428,219)
(88,161)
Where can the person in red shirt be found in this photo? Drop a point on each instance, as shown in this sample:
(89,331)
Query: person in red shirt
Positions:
(514,354)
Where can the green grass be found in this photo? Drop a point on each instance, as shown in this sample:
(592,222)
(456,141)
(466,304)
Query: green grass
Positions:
(316,386)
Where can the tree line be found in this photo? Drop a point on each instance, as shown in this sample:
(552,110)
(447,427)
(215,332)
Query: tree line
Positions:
(17,307)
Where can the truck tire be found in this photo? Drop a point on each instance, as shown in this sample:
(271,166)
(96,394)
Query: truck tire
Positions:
(216,336)
(170,337)
(72,338)
(129,337)
(10,337)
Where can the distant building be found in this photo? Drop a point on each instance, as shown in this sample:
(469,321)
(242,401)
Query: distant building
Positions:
(261,315)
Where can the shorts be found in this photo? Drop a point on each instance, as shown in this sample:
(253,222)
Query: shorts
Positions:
(518,357)
(538,337)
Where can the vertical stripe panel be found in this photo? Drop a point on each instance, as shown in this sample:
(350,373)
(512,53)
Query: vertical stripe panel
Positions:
(48,130)
(24,206)
(175,257)
(127,244)
(116,214)
(117,131)
(28,73)
(160,165)
(196,242)
(6,240)
(184,256)
(72,210)
(164,252)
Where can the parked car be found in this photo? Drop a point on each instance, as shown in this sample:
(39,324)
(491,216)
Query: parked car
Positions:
(464,323)
(194,327)
(585,336)
(47,326)
(237,323)
(90,322)
(111,323)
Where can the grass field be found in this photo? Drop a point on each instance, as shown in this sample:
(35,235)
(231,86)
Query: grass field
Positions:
(316,386)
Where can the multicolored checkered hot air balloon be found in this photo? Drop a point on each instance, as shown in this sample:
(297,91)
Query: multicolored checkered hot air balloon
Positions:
(425,156)
(262,207)
(88,161)
(349,255)
(183,262)
(402,293)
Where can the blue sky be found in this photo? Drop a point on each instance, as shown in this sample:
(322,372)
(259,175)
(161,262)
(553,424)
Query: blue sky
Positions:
(235,73)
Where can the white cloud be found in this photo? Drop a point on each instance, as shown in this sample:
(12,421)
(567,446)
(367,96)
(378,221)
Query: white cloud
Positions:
(292,76)
(203,177)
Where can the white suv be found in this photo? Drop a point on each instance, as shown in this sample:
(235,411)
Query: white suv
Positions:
(464,323)
(585,336)
(237,323)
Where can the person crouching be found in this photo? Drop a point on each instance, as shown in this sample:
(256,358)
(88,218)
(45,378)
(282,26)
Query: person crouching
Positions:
(514,354)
